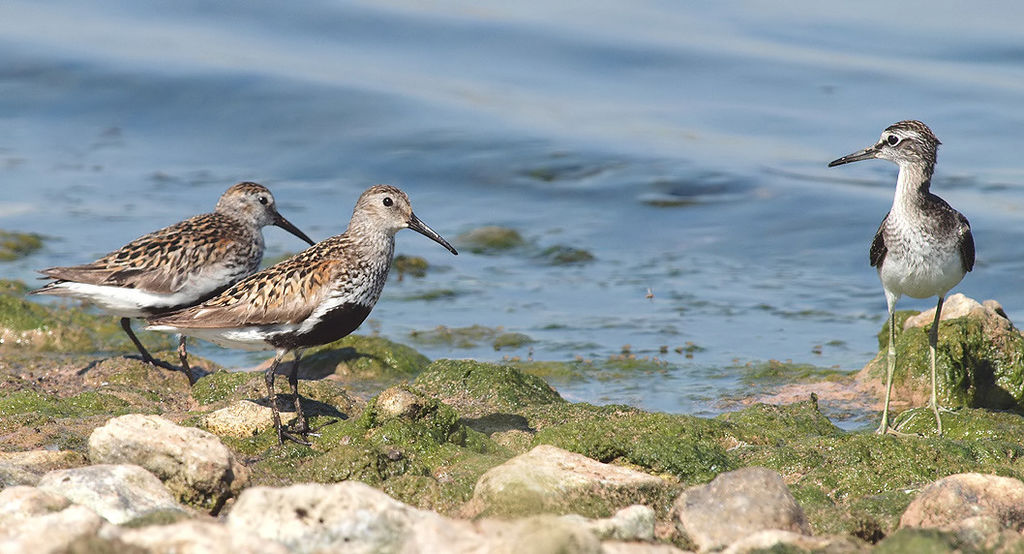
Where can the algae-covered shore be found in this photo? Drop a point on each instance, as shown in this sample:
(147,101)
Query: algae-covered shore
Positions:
(103,453)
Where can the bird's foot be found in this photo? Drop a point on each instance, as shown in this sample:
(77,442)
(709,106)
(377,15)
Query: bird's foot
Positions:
(895,433)
(283,435)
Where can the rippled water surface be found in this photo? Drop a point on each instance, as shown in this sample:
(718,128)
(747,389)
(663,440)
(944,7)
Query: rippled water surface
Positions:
(683,146)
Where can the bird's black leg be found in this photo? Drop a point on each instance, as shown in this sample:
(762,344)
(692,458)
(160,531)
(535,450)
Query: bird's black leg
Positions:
(269,377)
(183,356)
(301,426)
(126,324)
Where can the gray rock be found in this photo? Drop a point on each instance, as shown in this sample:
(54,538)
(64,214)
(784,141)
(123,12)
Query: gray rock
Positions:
(194,537)
(50,532)
(21,502)
(549,479)
(622,547)
(398,402)
(633,523)
(245,418)
(194,464)
(118,493)
(974,506)
(314,517)
(544,534)
(737,504)
(775,540)
(26,467)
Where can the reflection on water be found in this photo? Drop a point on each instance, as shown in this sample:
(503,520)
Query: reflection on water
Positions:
(683,148)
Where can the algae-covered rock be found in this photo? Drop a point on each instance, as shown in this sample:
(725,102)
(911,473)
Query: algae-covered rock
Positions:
(407,443)
(455,337)
(490,240)
(15,245)
(860,483)
(979,358)
(413,266)
(511,341)
(552,480)
(687,447)
(27,466)
(565,255)
(477,388)
(361,357)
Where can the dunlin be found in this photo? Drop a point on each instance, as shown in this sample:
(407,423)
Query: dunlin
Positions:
(312,298)
(177,266)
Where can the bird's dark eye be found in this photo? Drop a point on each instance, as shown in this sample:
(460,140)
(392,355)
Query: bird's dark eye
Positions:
(263,200)
(388,201)
(893,140)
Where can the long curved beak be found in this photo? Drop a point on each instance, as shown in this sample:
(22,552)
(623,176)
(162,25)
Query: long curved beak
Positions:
(422,228)
(866,154)
(283,223)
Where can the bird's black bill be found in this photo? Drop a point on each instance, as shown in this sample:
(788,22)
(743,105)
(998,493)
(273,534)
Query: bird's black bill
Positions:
(866,154)
(283,223)
(422,228)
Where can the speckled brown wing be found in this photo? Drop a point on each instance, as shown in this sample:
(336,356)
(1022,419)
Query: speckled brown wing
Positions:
(284,293)
(159,262)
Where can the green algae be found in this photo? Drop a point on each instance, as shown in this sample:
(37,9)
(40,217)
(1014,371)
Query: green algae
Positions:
(490,240)
(221,386)
(849,481)
(431,295)
(456,337)
(560,255)
(428,459)
(475,388)
(15,245)
(771,424)
(29,326)
(44,405)
(775,372)
(413,266)
(360,356)
(686,447)
(977,364)
(915,541)
(511,340)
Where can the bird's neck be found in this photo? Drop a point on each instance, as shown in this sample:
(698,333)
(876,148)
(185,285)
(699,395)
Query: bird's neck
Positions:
(912,186)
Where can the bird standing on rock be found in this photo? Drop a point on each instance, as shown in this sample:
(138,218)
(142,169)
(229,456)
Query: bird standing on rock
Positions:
(923,247)
(313,298)
(177,266)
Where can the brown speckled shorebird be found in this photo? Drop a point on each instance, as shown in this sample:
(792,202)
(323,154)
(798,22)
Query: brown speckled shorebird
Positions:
(177,266)
(312,298)
(923,247)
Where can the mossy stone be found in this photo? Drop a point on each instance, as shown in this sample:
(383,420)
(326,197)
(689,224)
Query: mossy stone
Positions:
(511,340)
(490,240)
(976,365)
(28,326)
(478,388)
(363,357)
(14,245)
(686,447)
(565,255)
(413,266)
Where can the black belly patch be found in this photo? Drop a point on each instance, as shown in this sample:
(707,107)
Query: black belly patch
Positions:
(333,325)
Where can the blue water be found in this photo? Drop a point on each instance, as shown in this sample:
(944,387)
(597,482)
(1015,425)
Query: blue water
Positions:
(572,122)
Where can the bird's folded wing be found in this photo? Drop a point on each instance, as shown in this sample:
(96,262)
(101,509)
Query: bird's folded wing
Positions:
(285,293)
(159,262)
